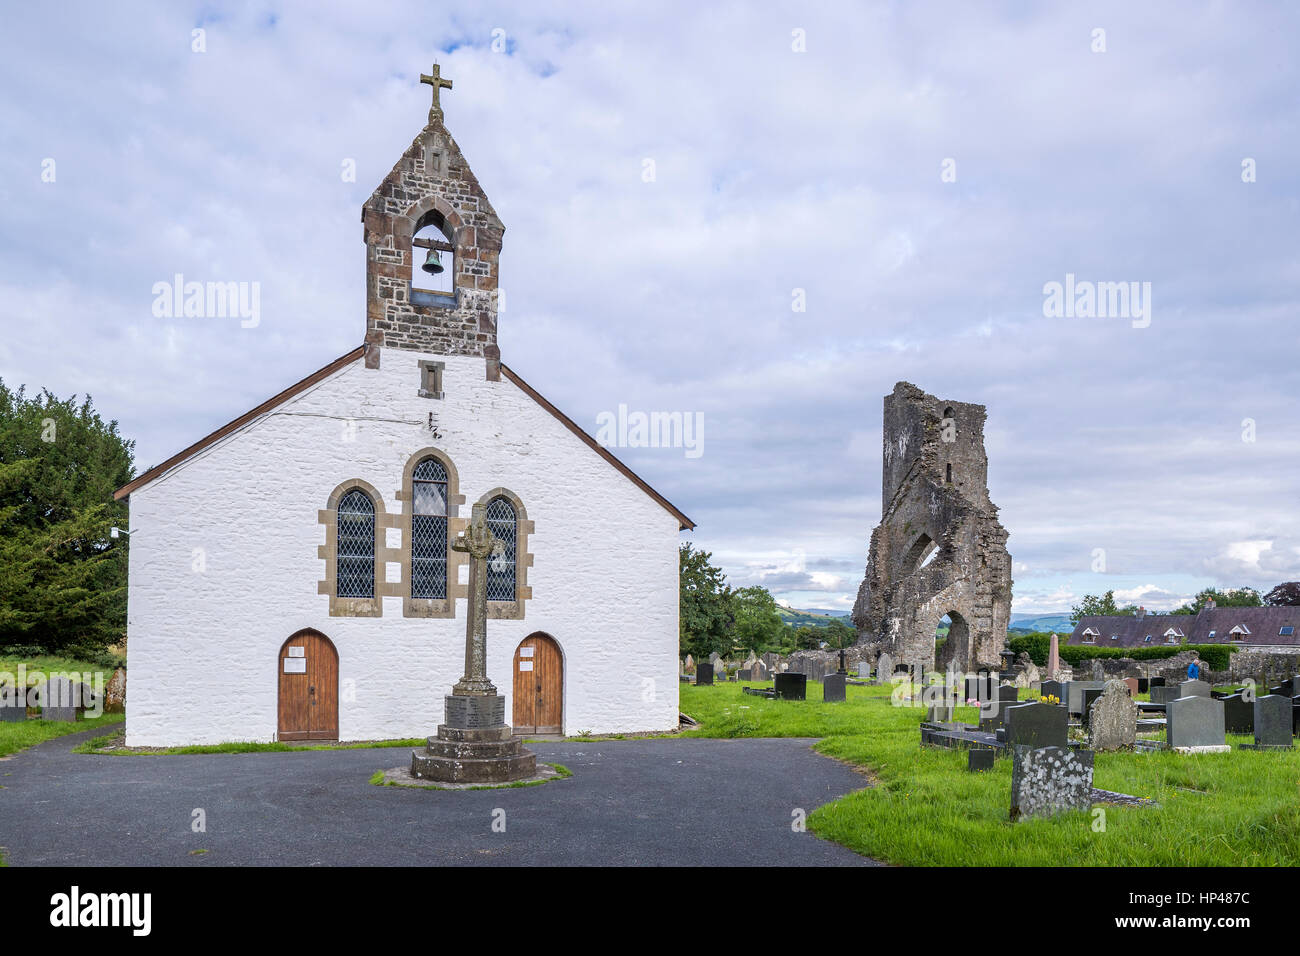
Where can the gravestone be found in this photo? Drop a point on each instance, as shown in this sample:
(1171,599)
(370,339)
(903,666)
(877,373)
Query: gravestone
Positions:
(833,688)
(884,668)
(939,714)
(743,674)
(690,664)
(704,674)
(1193,688)
(1074,694)
(980,687)
(1112,719)
(1156,682)
(59,700)
(1050,780)
(1144,685)
(1238,714)
(1161,694)
(979,759)
(1052,688)
(13,704)
(791,686)
(1195,724)
(1273,723)
(1132,684)
(1037,724)
(1090,696)
(758,671)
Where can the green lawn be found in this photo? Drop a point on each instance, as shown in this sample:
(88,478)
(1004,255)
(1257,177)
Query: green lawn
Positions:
(925,809)
(51,664)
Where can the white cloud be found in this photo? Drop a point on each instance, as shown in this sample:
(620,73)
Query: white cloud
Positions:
(677,294)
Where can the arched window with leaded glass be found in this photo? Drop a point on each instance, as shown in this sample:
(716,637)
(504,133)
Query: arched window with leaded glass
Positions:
(503,522)
(429,530)
(356,546)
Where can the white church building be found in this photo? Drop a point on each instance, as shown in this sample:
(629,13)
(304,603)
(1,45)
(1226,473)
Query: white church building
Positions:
(291,575)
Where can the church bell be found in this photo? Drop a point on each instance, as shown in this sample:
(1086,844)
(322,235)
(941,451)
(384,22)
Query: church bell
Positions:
(432,264)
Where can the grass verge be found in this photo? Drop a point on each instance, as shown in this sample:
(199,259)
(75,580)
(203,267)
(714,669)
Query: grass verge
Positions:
(925,809)
(29,733)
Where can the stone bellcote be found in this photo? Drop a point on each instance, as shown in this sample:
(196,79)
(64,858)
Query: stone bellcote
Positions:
(432,185)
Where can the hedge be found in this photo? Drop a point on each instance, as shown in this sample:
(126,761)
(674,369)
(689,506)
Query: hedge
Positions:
(1038,646)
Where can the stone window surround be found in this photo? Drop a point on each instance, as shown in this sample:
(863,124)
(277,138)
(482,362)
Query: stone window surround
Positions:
(514,610)
(432,607)
(329,517)
(431,379)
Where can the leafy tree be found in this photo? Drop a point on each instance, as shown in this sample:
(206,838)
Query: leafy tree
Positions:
(758,627)
(1105,604)
(706,606)
(1284,595)
(809,637)
(64,581)
(1231,597)
(838,634)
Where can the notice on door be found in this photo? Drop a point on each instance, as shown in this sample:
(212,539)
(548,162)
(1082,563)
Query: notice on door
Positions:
(297,651)
(526,651)
(525,665)
(295,665)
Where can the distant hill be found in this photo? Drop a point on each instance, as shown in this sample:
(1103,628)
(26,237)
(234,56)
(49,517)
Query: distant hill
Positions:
(815,617)
(1058,622)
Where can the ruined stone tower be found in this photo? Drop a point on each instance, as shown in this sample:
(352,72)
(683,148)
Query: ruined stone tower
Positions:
(939,548)
(432,189)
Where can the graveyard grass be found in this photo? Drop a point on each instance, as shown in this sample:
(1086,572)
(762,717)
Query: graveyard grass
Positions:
(29,733)
(925,809)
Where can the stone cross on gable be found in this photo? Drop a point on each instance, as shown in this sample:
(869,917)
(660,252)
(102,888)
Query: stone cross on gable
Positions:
(438,83)
(480,544)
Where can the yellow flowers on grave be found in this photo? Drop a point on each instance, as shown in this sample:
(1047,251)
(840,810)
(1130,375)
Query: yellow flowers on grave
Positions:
(1049,699)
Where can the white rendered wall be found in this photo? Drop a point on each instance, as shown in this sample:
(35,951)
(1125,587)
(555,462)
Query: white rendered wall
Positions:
(203,645)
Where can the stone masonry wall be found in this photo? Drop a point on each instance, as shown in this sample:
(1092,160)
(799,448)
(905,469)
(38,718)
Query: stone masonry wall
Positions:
(935,496)
(432,184)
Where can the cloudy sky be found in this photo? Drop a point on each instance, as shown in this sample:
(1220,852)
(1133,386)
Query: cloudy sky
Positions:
(920,171)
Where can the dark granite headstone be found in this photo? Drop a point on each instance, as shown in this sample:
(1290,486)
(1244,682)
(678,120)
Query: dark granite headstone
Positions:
(790,686)
(1194,722)
(833,688)
(1156,682)
(1052,688)
(979,760)
(1238,715)
(1008,694)
(1090,695)
(1163,695)
(1037,725)
(1273,724)
(743,674)
(1144,685)
(704,674)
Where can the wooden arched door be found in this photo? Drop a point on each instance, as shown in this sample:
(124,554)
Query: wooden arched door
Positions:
(538,686)
(309,688)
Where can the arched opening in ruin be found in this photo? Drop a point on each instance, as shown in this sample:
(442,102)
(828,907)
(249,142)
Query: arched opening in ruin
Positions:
(951,642)
(921,553)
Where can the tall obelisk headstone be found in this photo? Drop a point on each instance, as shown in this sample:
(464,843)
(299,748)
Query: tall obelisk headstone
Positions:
(474,745)
(1054,658)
